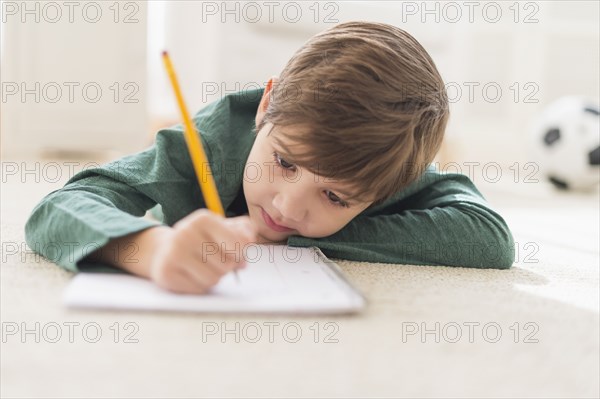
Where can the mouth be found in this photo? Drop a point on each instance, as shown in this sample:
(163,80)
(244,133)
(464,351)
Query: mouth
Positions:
(269,222)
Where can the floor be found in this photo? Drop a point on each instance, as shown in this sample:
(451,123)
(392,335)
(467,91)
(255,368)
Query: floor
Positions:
(530,331)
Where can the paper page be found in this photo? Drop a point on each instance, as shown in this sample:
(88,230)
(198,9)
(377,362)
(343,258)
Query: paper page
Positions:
(277,279)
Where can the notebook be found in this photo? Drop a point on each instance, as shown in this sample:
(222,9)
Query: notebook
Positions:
(277,279)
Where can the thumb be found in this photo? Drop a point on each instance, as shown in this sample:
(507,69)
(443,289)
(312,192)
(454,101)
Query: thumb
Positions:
(250,230)
(243,225)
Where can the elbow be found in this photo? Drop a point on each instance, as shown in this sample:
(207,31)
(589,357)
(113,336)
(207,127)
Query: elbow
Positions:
(31,227)
(503,262)
(504,253)
(498,241)
(498,254)
(496,247)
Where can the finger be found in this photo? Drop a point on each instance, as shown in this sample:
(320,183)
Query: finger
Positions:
(236,236)
(208,226)
(203,280)
(223,240)
(222,257)
(182,283)
(205,273)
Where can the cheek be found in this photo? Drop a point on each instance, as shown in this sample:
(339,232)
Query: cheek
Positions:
(254,175)
(326,223)
(257,189)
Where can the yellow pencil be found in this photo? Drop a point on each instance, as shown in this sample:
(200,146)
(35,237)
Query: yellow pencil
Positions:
(194,145)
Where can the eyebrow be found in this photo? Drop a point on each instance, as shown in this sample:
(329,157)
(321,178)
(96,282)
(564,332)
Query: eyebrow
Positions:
(285,152)
(344,193)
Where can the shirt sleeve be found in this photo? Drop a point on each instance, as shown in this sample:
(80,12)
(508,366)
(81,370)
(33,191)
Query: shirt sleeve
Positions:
(447,223)
(109,201)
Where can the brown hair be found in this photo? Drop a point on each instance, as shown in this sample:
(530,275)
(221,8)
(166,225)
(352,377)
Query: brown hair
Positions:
(371,105)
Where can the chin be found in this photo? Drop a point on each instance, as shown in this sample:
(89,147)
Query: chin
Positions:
(262,239)
(275,236)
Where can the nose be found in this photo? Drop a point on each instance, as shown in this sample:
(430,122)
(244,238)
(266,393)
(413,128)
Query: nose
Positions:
(291,203)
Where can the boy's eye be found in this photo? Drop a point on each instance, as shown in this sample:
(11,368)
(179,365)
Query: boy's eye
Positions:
(333,199)
(282,162)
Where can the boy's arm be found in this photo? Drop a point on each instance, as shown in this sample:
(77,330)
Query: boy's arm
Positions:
(101,204)
(447,222)
(117,251)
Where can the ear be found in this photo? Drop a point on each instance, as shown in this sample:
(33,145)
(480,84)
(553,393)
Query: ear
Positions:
(264,101)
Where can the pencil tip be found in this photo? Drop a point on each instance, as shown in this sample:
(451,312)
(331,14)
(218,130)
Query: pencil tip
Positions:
(164,52)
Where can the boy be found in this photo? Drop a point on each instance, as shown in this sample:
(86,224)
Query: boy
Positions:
(334,153)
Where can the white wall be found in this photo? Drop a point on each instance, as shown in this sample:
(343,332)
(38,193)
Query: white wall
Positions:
(534,53)
(73,78)
(555,54)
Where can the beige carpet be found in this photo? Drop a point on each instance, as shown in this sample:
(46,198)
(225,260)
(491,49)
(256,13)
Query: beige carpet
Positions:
(531,331)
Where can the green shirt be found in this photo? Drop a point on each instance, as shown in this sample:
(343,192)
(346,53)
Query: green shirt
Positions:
(440,219)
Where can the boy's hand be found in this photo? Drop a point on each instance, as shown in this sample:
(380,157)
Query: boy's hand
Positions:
(198,250)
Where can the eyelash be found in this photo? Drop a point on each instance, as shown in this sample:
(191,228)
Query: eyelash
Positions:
(340,203)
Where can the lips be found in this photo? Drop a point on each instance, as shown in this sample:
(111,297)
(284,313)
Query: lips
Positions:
(269,222)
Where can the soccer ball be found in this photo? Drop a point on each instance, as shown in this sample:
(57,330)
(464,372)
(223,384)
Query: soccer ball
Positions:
(565,143)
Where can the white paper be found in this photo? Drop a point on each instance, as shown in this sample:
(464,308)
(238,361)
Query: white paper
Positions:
(277,279)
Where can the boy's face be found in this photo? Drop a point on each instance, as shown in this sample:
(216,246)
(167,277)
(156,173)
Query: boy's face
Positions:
(277,190)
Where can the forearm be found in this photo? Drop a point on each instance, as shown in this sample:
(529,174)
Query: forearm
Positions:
(67,225)
(463,235)
(132,252)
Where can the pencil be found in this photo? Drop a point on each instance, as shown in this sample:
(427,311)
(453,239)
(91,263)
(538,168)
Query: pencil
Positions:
(194,145)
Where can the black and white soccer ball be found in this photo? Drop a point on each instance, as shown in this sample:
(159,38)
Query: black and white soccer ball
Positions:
(565,143)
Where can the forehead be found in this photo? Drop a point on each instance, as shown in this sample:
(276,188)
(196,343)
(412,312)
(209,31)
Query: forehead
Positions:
(280,134)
